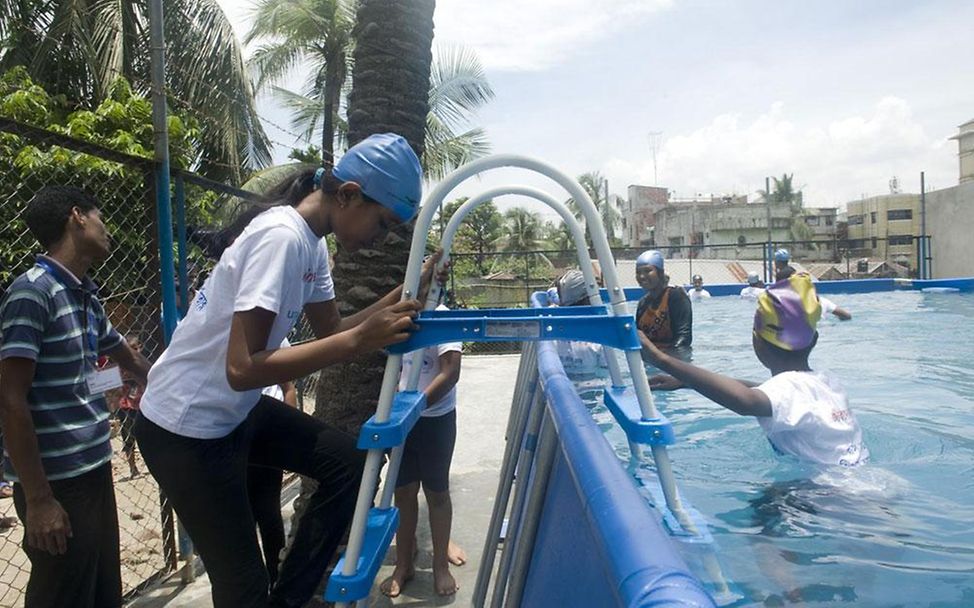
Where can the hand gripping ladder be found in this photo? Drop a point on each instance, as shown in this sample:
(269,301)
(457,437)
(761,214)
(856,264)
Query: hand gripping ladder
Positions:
(612,326)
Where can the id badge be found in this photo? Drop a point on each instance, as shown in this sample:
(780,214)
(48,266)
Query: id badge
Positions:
(103,380)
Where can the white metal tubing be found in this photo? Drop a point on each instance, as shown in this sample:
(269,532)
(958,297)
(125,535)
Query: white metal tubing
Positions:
(599,242)
(544,459)
(392,474)
(525,465)
(373,463)
(512,450)
(578,236)
(585,204)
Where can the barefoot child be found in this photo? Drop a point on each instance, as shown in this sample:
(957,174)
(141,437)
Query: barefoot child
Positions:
(426,461)
(803,413)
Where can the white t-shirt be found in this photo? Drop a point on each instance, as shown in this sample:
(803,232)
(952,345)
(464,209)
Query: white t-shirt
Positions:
(277,264)
(811,419)
(274,390)
(701,294)
(431,367)
(581,356)
(751,293)
(828,306)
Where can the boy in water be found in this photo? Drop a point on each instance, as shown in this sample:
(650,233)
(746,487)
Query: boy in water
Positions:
(803,413)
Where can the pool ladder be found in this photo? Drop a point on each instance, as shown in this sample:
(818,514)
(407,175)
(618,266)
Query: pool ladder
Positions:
(610,325)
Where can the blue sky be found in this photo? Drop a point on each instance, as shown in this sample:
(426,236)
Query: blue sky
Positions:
(845,94)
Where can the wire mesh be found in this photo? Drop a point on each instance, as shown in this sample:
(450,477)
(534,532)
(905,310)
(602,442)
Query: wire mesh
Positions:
(29,160)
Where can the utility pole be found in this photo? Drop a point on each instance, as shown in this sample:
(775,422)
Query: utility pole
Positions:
(161,132)
(924,243)
(654,141)
(767,204)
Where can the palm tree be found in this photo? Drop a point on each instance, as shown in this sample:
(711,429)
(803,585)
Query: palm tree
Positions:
(524,230)
(391,76)
(784,192)
(597,188)
(458,88)
(318,34)
(77,48)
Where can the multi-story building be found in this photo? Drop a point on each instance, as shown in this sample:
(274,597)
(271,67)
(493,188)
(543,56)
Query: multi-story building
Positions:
(950,214)
(884,227)
(721,227)
(638,213)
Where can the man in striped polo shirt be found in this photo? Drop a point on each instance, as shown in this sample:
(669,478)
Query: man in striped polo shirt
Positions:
(52,408)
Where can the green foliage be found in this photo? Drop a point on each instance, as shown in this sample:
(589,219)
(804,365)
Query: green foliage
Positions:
(79,48)
(123,123)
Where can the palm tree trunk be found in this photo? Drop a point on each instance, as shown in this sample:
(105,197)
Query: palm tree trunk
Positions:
(334,78)
(390,92)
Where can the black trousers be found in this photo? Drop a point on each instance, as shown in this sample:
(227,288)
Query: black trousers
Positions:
(206,480)
(87,575)
(264,490)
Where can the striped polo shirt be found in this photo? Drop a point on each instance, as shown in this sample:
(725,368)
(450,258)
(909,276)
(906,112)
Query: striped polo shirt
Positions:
(52,318)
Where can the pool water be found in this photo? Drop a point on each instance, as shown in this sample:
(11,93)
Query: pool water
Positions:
(898,531)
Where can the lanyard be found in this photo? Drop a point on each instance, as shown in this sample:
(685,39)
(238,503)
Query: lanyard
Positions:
(87,317)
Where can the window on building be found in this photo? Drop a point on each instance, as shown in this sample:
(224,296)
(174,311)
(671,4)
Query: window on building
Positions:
(872,217)
(780,222)
(874,242)
(901,239)
(855,220)
(899,214)
(812,220)
(829,220)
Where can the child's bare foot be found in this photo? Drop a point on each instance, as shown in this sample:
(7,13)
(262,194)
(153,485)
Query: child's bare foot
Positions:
(456,554)
(443,582)
(394,585)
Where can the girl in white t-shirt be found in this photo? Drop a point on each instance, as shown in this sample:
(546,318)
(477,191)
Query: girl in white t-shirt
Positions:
(802,412)
(203,419)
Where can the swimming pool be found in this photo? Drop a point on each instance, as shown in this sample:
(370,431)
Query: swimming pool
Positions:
(898,531)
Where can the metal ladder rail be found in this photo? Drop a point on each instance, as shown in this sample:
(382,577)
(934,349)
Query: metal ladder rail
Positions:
(584,261)
(393,363)
(617,297)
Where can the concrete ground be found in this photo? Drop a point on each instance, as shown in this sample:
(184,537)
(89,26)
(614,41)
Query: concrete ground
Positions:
(484,397)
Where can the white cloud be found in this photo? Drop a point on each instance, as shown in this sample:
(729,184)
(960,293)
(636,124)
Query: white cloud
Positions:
(519,35)
(834,160)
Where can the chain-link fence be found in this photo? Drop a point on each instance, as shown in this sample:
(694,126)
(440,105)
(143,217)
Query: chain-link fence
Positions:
(31,158)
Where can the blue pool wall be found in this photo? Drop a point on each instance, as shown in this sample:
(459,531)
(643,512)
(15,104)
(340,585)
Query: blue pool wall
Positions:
(828,287)
(598,542)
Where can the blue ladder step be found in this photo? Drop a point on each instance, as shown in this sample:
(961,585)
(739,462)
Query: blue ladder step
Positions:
(380,525)
(406,407)
(624,405)
(582,323)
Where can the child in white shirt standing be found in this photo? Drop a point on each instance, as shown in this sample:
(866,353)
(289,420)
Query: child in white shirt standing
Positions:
(427,455)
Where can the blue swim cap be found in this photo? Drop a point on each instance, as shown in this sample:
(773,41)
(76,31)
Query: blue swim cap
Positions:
(650,258)
(388,171)
(782,255)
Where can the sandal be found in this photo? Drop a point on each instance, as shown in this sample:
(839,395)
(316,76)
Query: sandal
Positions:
(6,490)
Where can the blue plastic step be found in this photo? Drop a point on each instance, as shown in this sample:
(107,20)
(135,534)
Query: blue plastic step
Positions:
(406,407)
(380,525)
(624,405)
(582,323)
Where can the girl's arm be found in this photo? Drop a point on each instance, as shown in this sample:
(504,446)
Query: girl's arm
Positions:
(446,379)
(250,365)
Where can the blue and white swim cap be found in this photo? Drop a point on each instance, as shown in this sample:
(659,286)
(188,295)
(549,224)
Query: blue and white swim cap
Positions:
(650,258)
(388,171)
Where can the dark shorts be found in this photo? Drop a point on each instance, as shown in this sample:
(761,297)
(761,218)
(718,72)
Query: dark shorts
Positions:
(428,452)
